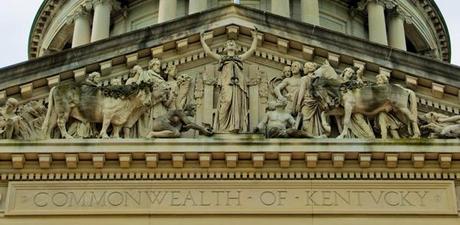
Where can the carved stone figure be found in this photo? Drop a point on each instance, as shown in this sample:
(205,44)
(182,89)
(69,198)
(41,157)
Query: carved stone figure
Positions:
(314,121)
(368,100)
(387,123)
(93,79)
(9,120)
(171,72)
(277,79)
(278,123)
(440,125)
(184,82)
(291,86)
(154,71)
(92,104)
(179,87)
(176,121)
(32,115)
(232,112)
(159,106)
(359,125)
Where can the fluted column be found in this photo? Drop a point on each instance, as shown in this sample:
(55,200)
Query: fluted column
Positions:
(197,6)
(376,20)
(396,32)
(101,19)
(281,7)
(82,27)
(309,11)
(167,10)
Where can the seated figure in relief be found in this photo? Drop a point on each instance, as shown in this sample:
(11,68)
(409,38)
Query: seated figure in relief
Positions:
(176,121)
(290,85)
(278,123)
(9,120)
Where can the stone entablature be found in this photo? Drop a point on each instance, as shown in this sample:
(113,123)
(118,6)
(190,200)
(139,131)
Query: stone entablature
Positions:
(224,154)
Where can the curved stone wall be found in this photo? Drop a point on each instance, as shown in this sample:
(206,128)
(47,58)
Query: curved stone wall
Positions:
(401,24)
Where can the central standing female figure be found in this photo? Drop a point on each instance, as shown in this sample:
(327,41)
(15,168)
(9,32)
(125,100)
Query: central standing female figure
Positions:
(232,114)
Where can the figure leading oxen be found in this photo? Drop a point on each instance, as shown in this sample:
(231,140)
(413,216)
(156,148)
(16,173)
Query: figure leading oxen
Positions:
(119,106)
(347,95)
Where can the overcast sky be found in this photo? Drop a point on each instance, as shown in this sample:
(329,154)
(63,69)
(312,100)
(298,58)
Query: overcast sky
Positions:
(17,17)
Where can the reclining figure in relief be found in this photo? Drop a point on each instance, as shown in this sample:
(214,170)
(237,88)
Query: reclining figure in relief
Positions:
(175,122)
(441,126)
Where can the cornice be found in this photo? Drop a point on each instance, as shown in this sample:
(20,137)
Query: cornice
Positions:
(41,21)
(434,14)
(220,156)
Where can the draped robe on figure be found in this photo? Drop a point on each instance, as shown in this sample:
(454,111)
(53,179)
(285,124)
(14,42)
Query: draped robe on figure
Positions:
(232,106)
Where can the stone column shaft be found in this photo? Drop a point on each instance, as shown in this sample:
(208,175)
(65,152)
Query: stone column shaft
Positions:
(309,11)
(197,6)
(377,25)
(81,29)
(167,10)
(101,20)
(396,32)
(281,7)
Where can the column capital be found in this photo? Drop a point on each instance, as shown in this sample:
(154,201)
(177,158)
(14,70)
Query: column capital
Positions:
(113,3)
(81,11)
(389,4)
(397,11)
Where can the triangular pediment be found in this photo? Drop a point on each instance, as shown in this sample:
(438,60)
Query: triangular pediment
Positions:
(282,41)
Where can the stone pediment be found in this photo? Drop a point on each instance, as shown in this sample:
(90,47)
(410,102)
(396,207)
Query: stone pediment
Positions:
(280,43)
(275,155)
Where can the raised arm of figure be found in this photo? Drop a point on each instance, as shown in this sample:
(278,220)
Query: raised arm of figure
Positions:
(253,46)
(208,50)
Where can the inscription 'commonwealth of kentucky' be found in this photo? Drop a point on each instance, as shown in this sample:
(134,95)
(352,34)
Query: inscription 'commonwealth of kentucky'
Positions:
(243,197)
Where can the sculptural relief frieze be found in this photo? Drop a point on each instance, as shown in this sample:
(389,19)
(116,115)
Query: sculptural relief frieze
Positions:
(233,95)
